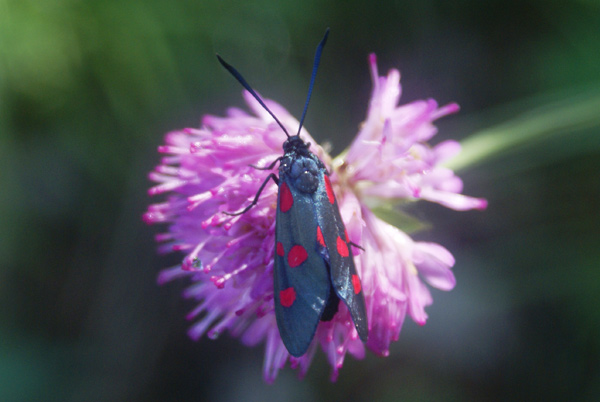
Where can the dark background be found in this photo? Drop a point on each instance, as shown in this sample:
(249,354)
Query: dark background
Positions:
(88,89)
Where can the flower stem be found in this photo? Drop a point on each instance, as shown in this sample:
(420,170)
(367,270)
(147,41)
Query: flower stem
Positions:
(564,117)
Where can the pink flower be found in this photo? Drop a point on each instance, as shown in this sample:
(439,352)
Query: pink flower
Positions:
(229,259)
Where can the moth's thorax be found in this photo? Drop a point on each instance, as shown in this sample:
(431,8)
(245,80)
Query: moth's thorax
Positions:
(299,165)
(302,172)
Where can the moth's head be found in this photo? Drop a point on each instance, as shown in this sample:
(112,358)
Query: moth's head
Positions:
(295,144)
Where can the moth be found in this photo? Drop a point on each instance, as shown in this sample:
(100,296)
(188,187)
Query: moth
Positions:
(314,267)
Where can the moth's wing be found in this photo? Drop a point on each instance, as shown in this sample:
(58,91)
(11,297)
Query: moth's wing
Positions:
(301,279)
(344,277)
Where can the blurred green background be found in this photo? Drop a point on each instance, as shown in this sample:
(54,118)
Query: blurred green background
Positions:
(88,89)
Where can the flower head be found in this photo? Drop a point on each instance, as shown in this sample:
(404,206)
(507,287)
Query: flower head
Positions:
(229,259)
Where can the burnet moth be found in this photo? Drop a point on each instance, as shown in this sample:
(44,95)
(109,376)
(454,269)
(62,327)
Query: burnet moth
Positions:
(314,268)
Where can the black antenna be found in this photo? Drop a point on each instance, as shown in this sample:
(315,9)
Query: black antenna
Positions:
(245,84)
(318,52)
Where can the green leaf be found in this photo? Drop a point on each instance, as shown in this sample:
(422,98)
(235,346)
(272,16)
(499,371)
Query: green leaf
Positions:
(399,219)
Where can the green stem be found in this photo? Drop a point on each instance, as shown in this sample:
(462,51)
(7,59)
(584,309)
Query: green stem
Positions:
(563,117)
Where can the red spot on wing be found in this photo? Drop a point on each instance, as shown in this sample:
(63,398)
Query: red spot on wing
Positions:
(287,297)
(285,197)
(342,247)
(329,190)
(280,251)
(356,284)
(320,238)
(297,256)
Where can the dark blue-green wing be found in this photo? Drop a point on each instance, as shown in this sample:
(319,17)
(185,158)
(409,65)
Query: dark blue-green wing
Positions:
(301,278)
(338,254)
